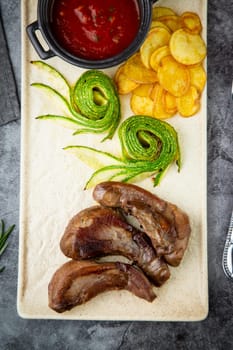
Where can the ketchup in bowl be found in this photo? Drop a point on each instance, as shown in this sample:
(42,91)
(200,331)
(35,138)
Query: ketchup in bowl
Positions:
(95,29)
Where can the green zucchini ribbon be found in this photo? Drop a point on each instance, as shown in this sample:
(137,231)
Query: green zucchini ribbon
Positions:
(148,146)
(92,103)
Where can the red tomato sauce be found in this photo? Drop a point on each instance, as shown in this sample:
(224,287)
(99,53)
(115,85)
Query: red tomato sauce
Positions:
(95,29)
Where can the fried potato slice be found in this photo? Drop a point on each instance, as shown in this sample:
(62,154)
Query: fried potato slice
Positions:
(172,22)
(119,71)
(189,104)
(173,76)
(170,105)
(158,55)
(158,94)
(191,22)
(135,70)
(141,105)
(159,11)
(156,38)
(187,48)
(143,90)
(158,24)
(123,84)
(198,77)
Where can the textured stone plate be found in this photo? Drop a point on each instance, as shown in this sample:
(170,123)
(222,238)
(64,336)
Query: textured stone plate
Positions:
(52,192)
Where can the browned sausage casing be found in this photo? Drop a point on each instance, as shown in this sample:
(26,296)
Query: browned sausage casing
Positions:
(99,231)
(167,226)
(76,282)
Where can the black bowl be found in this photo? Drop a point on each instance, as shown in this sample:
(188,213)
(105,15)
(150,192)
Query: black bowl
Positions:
(42,24)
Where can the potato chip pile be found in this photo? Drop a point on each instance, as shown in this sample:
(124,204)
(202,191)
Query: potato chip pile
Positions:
(166,76)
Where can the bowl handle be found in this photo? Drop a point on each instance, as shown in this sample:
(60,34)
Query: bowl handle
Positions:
(31,31)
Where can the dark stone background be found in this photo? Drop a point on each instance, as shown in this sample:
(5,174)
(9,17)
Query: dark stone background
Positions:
(216,332)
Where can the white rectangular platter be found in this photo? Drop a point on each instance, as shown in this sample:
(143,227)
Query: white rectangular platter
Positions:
(52,192)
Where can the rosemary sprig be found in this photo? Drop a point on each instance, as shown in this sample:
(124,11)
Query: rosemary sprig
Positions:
(4,235)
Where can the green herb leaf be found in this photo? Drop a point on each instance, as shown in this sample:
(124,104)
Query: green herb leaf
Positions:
(4,235)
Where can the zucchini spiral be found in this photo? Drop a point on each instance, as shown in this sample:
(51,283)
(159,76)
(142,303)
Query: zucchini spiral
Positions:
(93,102)
(148,146)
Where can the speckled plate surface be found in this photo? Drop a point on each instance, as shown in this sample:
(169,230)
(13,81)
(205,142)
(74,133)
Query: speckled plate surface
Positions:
(52,192)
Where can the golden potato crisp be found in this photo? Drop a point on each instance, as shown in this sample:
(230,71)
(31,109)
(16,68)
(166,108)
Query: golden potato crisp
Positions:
(135,70)
(159,24)
(158,94)
(156,38)
(143,90)
(191,22)
(158,55)
(173,76)
(162,11)
(198,77)
(187,48)
(189,104)
(123,84)
(172,22)
(141,105)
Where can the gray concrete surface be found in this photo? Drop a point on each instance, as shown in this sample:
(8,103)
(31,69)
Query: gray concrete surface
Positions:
(213,333)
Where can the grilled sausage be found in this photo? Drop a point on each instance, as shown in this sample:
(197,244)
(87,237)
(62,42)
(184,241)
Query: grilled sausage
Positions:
(99,231)
(76,282)
(167,226)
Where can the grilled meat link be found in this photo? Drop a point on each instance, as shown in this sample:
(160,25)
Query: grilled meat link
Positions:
(99,231)
(76,282)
